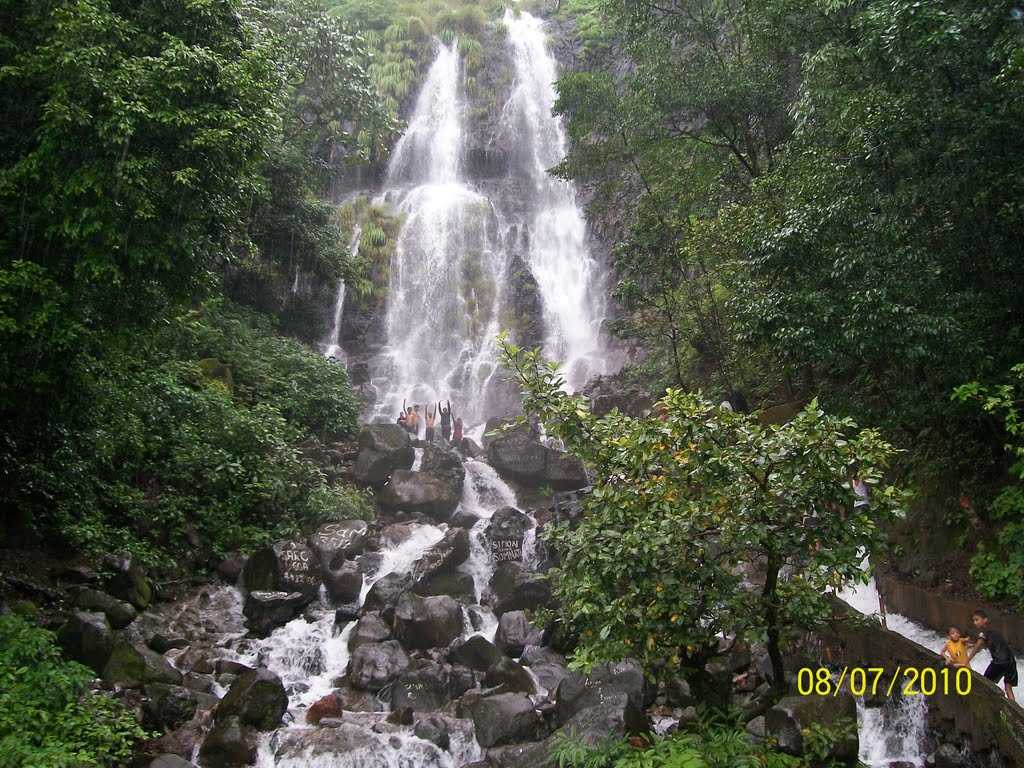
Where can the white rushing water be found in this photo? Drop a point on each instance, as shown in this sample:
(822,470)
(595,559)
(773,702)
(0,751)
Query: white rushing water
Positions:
(445,282)
(566,273)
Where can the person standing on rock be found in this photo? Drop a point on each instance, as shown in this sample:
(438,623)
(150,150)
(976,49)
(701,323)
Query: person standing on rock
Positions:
(1004,664)
(446,421)
(416,420)
(429,418)
(457,434)
(411,424)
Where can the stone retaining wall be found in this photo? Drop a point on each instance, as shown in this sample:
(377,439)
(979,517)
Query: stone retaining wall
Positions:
(939,612)
(985,715)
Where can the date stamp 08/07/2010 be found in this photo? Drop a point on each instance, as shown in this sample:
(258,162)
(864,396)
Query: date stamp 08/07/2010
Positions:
(878,681)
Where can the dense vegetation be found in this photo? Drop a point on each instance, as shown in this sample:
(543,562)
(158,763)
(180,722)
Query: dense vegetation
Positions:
(816,199)
(702,523)
(48,715)
(154,157)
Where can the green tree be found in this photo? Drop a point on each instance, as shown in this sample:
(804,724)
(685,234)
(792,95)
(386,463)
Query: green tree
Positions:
(48,715)
(704,523)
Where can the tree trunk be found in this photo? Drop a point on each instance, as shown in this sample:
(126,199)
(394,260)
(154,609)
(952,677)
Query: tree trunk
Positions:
(771,616)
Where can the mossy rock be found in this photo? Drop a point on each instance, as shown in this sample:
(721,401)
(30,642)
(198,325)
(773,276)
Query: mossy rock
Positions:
(218,373)
(131,666)
(26,609)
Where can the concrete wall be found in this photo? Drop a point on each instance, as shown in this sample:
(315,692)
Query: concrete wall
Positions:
(985,715)
(939,612)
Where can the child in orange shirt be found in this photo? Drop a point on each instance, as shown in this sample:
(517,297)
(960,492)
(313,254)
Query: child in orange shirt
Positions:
(955,650)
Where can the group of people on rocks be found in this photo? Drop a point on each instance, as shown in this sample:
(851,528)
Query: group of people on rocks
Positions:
(960,649)
(451,429)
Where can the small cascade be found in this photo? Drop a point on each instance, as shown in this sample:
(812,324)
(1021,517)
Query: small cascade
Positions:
(558,255)
(893,735)
(332,346)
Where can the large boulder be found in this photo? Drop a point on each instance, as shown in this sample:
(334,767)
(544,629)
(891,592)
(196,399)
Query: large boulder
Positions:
(120,613)
(168,706)
(443,557)
(129,582)
(170,761)
(287,566)
(511,675)
(383,448)
(517,589)
(504,718)
(514,633)
(457,585)
(345,537)
(374,665)
(422,689)
(87,637)
(264,611)
(517,456)
(344,581)
(256,698)
(577,692)
(505,534)
(369,629)
(230,744)
(547,665)
(385,592)
(475,652)
(132,665)
(427,622)
(788,720)
(425,492)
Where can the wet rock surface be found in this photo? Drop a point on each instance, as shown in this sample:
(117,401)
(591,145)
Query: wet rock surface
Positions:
(383,449)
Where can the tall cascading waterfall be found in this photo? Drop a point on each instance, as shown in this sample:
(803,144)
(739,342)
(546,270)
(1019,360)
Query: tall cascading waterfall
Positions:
(567,275)
(442,316)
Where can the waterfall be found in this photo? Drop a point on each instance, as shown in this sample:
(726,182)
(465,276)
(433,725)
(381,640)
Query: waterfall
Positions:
(566,274)
(442,314)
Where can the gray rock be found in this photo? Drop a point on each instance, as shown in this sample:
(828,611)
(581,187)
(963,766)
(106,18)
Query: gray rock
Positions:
(168,706)
(163,643)
(505,534)
(170,761)
(431,494)
(948,756)
(345,537)
(518,457)
(786,721)
(374,665)
(129,583)
(433,728)
(577,692)
(87,638)
(549,667)
(120,613)
(264,611)
(427,622)
(385,592)
(131,665)
(230,568)
(504,718)
(257,698)
(344,582)
(515,633)
(475,652)
(511,675)
(383,448)
(517,589)
(369,629)
(443,557)
(287,566)
(229,744)
(423,689)
(458,585)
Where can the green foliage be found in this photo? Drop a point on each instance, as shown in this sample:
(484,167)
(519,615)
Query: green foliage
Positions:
(815,200)
(167,451)
(685,509)
(48,715)
(713,742)
(998,572)
(373,230)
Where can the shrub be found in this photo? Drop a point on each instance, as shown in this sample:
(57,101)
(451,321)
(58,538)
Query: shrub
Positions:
(48,716)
